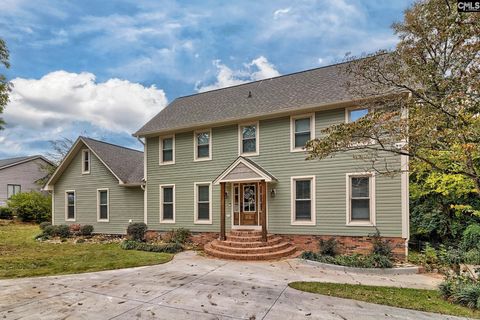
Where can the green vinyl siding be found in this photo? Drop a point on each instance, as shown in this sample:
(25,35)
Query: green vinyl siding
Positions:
(125,203)
(275,157)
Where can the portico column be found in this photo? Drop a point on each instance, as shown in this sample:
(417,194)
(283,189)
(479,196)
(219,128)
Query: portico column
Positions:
(222,211)
(264,211)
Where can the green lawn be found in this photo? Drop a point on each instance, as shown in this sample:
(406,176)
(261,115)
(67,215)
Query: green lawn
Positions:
(416,299)
(22,256)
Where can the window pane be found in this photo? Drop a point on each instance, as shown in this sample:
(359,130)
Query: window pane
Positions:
(167,155)
(104,212)
(360,187)
(303,210)
(354,115)
(249,195)
(103,197)
(301,139)
(203,138)
(167,144)
(360,209)
(249,145)
(203,193)
(302,125)
(71,198)
(71,212)
(168,211)
(167,194)
(10,191)
(203,151)
(203,211)
(249,132)
(17,189)
(302,189)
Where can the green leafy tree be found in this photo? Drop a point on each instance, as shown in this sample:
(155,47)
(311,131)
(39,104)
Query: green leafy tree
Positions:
(31,206)
(4,84)
(424,96)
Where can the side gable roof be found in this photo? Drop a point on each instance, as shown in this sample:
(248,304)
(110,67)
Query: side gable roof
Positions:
(125,164)
(297,91)
(5,163)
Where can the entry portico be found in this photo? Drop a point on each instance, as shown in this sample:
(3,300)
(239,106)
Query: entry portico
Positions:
(248,187)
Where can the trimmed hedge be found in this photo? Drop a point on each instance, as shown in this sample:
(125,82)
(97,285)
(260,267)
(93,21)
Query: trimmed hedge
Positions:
(142,246)
(136,231)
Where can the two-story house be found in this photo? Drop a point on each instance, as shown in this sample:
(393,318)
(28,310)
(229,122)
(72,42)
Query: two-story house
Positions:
(229,165)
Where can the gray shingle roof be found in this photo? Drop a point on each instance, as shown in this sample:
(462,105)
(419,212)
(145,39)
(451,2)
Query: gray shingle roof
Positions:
(127,164)
(325,85)
(13,161)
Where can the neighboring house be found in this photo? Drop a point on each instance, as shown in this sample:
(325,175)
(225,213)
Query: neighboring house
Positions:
(21,174)
(232,159)
(98,184)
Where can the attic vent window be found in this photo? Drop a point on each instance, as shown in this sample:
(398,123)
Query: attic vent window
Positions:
(85,161)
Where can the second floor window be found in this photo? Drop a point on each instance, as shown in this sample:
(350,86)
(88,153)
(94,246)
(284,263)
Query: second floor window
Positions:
(203,145)
(302,130)
(355,114)
(167,150)
(249,139)
(85,161)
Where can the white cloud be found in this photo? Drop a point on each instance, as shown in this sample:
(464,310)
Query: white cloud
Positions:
(281,12)
(226,77)
(54,106)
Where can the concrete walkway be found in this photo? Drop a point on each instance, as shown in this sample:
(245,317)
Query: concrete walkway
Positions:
(195,287)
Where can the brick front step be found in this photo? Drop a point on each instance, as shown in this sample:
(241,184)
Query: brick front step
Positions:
(248,245)
(217,245)
(251,257)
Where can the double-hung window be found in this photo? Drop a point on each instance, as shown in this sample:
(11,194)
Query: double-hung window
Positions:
(103,205)
(167,203)
(86,161)
(248,139)
(13,189)
(70,205)
(203,145)
(303,200)
(167,150)
(302,129)
(361,199)
(203,203)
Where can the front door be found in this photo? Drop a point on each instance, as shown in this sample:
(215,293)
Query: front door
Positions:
(246,206)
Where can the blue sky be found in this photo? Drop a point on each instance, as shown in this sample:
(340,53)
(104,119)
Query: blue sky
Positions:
(103,68)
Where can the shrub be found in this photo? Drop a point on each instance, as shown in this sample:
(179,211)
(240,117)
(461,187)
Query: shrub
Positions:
(354,260)
(44,224)
(74,228)
(6,213)
(62,231)
(31,206)
(380,246)
(471,237)
(472,256)
(136,231)
(181,235)
(49,231)
(86,230)
(328,247)
(468,295)
(142,246)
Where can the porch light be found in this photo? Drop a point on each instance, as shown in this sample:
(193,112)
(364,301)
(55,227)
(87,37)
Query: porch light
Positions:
(226,194)
(273,192)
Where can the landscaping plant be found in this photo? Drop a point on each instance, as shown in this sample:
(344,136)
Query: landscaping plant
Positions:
(136,231)
(31,206)
(6,213)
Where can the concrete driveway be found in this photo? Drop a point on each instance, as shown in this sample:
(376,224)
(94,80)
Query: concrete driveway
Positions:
(195,287)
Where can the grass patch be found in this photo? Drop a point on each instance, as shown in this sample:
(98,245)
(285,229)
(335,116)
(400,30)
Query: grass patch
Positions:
(416,299)
(22,256)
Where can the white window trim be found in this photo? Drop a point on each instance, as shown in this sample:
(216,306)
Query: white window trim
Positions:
(98,205)
(195,145)
(347,111)
(195,197)
(257,139)
(313,221)
(160,144)
(74,205)
(292,130)
(373,201)
(89,161)
(161,203)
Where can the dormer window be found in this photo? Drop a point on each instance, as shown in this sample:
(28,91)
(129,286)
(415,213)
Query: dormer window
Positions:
(85,161)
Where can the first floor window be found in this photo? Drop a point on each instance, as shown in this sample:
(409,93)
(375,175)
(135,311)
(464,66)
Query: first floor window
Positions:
(13,189)
(103,204)
(70,205)
(203,207)
(167,194)
(360,198)
(303,204)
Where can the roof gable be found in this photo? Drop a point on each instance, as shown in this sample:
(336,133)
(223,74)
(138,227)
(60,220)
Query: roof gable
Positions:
(6,163)
(244,169)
